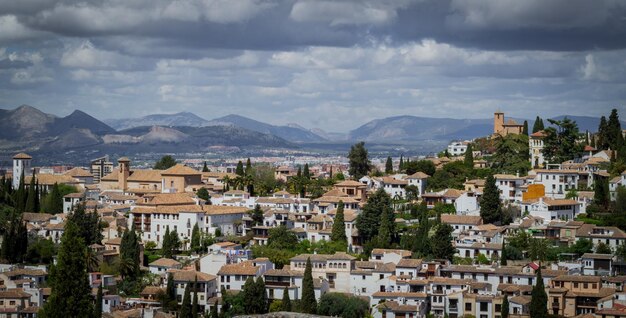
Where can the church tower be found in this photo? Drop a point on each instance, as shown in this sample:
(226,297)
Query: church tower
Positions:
(21,166)
(498,122)
(123,173)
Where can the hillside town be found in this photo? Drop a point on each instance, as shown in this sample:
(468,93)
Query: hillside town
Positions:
(525,222)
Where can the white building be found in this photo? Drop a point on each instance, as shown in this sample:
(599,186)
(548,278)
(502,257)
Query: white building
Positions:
(420,180)
(557,182)
(334,268)
(551,209)
(535,146)
(510,187)
(21,166)
(457,148)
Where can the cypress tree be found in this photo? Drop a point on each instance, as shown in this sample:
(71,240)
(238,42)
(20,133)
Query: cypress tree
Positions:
(55,204)
(261,295)
(213,313)
(195,238)
(469,157)
(129,251)
(338,233)
(170,293)
(166,246)
(505,307)
(205,168)
(503,261)
(602,142)
(37,197)
(248,170)
(249,294)
(30,199)
(305,172)
(20,195)
(359,161)
(613,130)
(71,293)
(98,309)
(308,304)
(401,165)
(194,303)
(490,207)
(539,299)
(15,242)
(442,242)
(185,308)
(525,129)
(538,125)
(239,170)
(601,191)
(389,166)
(385,230)
(286,303)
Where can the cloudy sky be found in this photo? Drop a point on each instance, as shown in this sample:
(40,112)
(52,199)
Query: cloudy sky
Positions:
(329,64)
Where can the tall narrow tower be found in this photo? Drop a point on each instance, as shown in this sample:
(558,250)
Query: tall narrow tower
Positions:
(21,165)
(498,122)
(123,173)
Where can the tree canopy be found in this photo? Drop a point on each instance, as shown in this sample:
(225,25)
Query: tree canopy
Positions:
(359,162)
(165,162)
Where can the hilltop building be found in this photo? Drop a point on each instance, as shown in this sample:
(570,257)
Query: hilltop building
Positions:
(21,165)
(503,128)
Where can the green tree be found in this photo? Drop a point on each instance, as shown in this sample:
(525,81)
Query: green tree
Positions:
(401,164)
(167,249)
(165,162)
(257,215)
(308,303)
(359,161)
(195,239)
(469,157)
(561,141)
(503,258)
(538,125)
(88,224)
(389,166)
(614,131)
(525,129)
(442,242)
(31,198)
(539,299)
(15,240)
(368,222)
(305,172)
(98,308)
(505,307)
(71,293)
(601,192)
(338,233)
(282,238)
(512,154)
(129,251)
(239,170)
(169,301)
(53,202)
(385,230)
(203,194)
(342,305)
(261,295)
(620,200)
(286,302)
(490,205)
(194,304)
(249,293)
(425,166)
(21,196)
(185,307)
(205,168)
(603,248)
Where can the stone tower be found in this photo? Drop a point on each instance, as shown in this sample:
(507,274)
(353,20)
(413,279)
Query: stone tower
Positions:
(21,165)
(498,122)
(123,173)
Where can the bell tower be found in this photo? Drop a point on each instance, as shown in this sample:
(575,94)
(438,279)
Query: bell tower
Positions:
(498,122)
(123,173)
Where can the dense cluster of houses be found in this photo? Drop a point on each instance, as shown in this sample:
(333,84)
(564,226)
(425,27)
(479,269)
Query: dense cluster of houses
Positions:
(156,201)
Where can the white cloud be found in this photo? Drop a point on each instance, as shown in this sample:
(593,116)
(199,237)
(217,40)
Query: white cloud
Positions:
(337,13)
(245,60)
(219,11)
(87,56)
(13,30)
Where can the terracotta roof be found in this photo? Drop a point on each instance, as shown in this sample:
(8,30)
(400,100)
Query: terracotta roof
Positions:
(597,256)
(381,251)
(190,276)
(397,308)
(350,183)
(323,257)
(219,209)
(390,180)
(14,294)
(578,278)
(283,273)
(36,217)
(78,172)
(539,134)
(409,263)
(418,175)
(180,170)
(453,193)
(398,294)
(170,199)
(553,202)
(243,268)
(165,262)
(461,219)
(145,175)
(25,272)
(22,155)
(50,179)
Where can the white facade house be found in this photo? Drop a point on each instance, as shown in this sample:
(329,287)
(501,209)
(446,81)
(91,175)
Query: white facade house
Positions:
(557,182)
(457,148)
(510,187)
(334,268)
(552,209)
(420,180)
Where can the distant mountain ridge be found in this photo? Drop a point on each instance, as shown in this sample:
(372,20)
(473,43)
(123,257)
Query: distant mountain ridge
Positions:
(177,119)
(290,132)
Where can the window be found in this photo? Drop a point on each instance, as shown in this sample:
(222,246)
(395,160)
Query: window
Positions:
(484,306)
(468,306)
(381,276)
(498,307)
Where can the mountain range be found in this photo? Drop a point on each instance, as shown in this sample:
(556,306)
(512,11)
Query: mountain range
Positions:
(27,128)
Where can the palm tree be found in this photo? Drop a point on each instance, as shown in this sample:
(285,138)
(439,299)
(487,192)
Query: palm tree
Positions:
(226,181)
(125,266)
(93,261)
